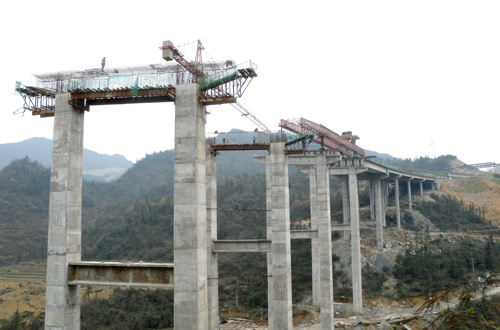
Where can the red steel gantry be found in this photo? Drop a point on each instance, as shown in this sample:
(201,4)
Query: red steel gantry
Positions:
(324,136)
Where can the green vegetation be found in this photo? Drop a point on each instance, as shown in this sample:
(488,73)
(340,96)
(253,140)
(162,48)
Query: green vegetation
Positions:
(132,219)
(23,321)
(472,311)
(24,205)
(129,309)
(433,265)
(439,165)
(448,213)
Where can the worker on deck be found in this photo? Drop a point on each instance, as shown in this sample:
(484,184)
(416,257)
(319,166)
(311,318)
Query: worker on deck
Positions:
(103,63)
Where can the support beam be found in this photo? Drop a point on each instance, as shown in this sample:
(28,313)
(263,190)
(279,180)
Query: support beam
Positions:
(357,289)
(122,274)
(62,301)
(303,234)
(240,246)
(190,227)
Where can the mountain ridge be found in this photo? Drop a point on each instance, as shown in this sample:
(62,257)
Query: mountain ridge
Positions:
(96,166)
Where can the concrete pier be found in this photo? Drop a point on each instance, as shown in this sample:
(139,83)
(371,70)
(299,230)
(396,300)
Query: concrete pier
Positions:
(379,213)
(345,205)
(315,263)
(190,227)
(269,235)
(281,249)
(357,288)
(409,195)
(212,262)
(324,243)
(396,199)
(62,301)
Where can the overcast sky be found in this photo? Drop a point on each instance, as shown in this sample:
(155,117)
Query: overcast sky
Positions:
(410,78)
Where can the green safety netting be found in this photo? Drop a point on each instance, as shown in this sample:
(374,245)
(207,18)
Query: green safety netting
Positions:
(223,76)
(122,81)
(159,80)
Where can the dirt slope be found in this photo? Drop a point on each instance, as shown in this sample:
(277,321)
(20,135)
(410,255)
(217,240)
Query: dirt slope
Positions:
(482,190)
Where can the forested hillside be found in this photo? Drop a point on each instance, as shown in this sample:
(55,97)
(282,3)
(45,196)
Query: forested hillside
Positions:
(96,166)
(132,219)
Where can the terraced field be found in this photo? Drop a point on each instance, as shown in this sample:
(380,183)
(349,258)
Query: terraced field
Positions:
(24,271)
(22,287)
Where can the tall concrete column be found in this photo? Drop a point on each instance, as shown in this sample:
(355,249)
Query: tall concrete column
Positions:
(62,301)
(190,203)
(345,205)
(421,188)
(372,201)
(315,252)
(409,195)
(281,250)
(396,198)
(385,186)
(357,289)
(379,214)
(269,232)
(385,202)
(325,243)
(212,263)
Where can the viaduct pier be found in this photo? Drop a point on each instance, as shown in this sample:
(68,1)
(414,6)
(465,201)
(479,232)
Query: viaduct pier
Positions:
(68,96)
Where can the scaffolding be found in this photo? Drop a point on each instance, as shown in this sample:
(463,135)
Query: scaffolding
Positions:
(219,83)
(155,75)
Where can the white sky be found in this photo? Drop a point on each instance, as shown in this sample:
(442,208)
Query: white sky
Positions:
(410,78)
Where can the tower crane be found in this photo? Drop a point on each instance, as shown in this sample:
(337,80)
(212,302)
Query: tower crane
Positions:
(170,52)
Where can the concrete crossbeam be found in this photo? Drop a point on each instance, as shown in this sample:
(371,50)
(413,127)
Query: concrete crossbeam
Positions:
(299,160)
(341,226)
(139,275)
(236,246)
(303,234)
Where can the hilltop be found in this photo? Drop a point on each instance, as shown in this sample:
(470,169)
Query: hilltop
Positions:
(96,166)
(481,189)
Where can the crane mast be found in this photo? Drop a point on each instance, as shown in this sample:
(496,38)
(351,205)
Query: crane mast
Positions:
(170,52)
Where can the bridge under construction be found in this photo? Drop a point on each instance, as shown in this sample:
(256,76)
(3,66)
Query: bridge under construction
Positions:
(320,153)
